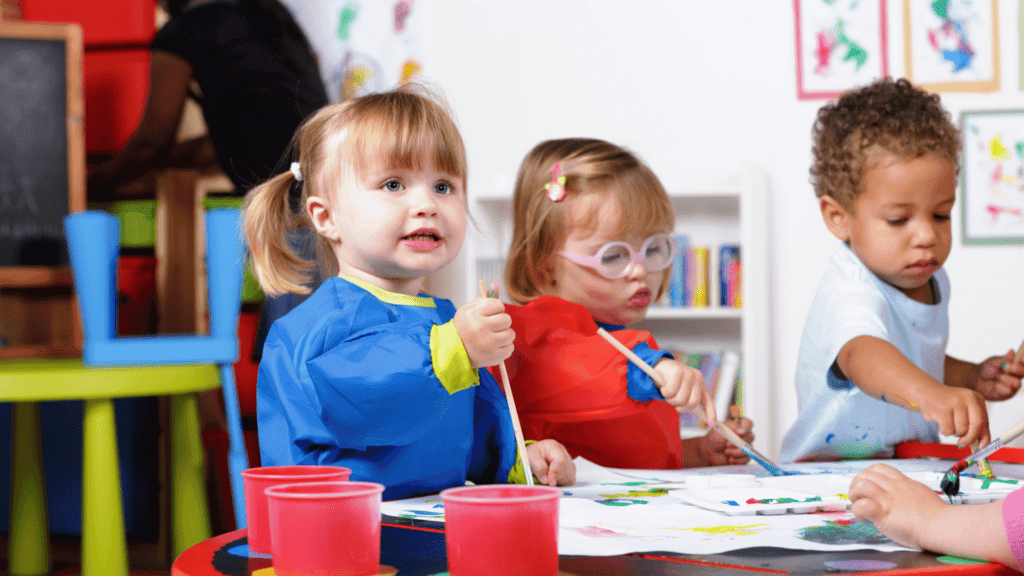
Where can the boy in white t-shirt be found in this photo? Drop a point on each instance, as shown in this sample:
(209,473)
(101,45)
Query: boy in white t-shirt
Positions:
(873,370)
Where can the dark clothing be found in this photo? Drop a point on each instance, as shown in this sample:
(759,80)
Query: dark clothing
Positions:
(253,97)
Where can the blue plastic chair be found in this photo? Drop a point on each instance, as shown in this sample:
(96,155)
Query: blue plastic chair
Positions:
(93,248)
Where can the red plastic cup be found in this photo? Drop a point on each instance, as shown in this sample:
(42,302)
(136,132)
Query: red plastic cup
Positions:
(501,530)
(325,528)
(257,480)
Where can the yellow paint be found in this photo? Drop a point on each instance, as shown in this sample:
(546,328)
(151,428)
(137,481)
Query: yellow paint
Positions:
(737,530)
(639,493)
(997,149)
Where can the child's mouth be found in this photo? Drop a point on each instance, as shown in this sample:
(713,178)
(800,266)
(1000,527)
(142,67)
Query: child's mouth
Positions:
(641,299)
(423,239)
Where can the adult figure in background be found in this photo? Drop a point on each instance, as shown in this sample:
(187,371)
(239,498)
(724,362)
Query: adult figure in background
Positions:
(253,73)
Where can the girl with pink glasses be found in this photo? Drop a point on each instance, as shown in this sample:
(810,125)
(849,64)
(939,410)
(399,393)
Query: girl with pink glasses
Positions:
(592,247)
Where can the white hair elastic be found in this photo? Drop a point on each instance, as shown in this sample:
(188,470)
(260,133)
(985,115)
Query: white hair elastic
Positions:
(296,171)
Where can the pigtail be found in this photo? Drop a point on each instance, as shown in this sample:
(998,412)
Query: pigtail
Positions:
(267,221)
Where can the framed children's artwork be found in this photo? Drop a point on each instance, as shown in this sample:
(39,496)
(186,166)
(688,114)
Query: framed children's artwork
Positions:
(840,44)
(952,46)
(992,176)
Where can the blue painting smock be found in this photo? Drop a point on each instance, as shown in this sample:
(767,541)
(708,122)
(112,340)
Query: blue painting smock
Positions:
(837,420)
(381,383)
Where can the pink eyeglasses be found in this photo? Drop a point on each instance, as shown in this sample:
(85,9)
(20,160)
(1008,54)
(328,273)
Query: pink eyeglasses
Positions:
(614,259)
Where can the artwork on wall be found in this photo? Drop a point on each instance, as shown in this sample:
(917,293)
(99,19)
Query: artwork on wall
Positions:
(992,176)
(952,46)
(840,44)
(364,47)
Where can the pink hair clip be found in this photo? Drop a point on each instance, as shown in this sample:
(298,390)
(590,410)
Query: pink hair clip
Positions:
(556,188)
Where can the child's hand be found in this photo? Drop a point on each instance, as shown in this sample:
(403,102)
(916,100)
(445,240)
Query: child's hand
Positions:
(899,507)
(958,412)
(717,451)
(551,463)
(683,387)
(997,378)
(486,331)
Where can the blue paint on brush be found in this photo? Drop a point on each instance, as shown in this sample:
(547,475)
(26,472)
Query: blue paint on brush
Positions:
(764,462)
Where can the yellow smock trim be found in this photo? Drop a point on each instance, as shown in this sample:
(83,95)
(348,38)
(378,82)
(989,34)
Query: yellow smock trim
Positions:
(392,297)
(517,475)
(450,359)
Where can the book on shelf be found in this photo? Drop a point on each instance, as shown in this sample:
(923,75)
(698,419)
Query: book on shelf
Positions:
(690,283)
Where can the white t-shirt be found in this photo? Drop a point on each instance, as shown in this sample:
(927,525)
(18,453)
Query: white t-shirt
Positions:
(838,420)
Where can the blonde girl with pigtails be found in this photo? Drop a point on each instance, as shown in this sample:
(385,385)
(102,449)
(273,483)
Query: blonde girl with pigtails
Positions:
(369,372)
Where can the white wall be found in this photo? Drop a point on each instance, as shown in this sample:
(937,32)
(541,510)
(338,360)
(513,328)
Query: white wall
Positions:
(698,88)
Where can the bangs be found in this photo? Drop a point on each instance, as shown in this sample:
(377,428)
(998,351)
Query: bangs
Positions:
(404,133)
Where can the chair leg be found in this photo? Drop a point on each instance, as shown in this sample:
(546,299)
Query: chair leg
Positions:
(29,543)
(238,460)
(104,550)
(190,514)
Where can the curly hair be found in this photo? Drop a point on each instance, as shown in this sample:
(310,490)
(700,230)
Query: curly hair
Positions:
(884,117)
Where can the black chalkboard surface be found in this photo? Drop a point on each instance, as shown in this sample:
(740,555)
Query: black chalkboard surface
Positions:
(41,140)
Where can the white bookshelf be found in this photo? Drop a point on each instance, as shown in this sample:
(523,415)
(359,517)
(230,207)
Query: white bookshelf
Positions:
(731,212)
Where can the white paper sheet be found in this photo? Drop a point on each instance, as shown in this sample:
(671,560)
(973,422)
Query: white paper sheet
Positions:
(610,512)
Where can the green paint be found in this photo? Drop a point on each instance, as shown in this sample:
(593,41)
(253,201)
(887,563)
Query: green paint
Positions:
(347,17)
(621,502)
(941,8)
(959,560)
(841,533)
(1020,154)
(989,481)
(854,51)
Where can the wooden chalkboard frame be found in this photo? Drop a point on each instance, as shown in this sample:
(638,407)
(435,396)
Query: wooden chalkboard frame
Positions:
(71,35)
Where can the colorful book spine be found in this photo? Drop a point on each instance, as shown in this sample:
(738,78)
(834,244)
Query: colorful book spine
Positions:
(677,283)
(699,257)
(729,276)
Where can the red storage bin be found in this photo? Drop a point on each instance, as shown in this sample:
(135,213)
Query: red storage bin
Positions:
(104,22)
(116,82)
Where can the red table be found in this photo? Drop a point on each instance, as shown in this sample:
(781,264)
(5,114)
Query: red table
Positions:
(417,548)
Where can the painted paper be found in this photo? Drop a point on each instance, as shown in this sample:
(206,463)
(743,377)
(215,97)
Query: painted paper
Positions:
(951,44)
(840,44)
(611,511)
(993,176)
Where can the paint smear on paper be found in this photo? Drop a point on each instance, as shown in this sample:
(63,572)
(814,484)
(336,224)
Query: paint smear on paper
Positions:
(842,533)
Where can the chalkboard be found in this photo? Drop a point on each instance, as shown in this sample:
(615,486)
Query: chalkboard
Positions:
(42,157)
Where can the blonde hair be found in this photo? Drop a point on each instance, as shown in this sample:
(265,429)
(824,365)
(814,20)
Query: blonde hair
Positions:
(407,128)
(540,224)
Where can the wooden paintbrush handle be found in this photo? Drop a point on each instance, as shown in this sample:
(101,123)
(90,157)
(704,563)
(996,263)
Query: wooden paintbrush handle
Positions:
(1020,354)
(697,411)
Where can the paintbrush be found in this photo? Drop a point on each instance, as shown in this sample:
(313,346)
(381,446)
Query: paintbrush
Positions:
(512,412)
(698,410)
(984,470)
(950,483)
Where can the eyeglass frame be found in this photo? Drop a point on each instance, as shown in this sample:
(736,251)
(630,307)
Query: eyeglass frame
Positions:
(635,257)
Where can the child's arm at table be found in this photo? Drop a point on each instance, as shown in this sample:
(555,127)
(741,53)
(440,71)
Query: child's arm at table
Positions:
(881,370)
(997,378)
(913,515)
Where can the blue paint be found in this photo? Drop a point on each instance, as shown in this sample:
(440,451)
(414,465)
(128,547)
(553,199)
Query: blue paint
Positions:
(730,502)
(243,551)
(830,438)
(771,468)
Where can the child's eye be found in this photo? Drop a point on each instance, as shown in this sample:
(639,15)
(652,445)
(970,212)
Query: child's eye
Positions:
(393,186)
(444,188)
(941,217)
(897,221)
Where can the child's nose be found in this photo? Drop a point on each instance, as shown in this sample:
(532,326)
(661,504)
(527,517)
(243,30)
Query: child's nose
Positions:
(424,203)
(926,234)
(636,270)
